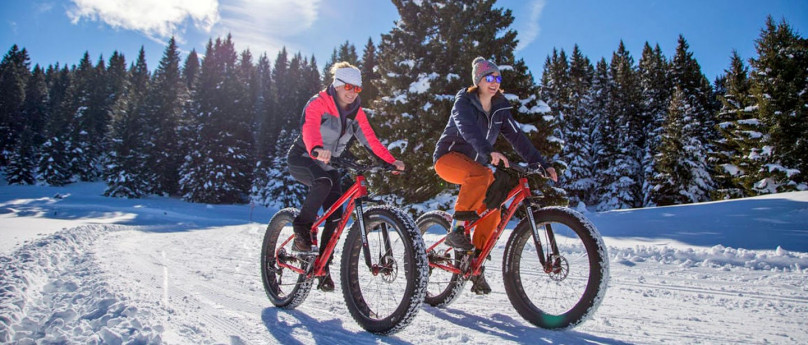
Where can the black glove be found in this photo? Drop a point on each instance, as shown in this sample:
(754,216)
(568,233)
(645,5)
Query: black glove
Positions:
(504,181)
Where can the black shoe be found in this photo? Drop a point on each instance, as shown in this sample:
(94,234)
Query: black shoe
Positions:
(466,216)
(326,284)
(458,239)
(479,285)
(302,243)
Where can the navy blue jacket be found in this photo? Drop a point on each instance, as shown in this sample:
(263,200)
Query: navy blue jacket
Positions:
(471,132)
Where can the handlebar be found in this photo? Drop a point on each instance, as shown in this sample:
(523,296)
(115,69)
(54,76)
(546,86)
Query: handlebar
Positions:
(351,164)
(523,171)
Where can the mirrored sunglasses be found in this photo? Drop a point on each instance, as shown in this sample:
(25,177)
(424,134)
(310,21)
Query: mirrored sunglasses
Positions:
(349,87)
(491,78)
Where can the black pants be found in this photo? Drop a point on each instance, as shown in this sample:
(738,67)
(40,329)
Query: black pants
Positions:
(324,191)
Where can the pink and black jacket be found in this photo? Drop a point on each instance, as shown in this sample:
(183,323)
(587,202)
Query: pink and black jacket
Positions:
(325,126)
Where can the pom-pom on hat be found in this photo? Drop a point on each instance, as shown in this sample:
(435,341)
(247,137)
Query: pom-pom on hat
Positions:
(481,68)
(350,75)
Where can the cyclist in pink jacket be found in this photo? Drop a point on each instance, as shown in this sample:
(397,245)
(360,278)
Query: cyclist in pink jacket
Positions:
(330,120)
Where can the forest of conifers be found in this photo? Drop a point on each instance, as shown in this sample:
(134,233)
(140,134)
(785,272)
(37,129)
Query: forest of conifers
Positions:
(625,132)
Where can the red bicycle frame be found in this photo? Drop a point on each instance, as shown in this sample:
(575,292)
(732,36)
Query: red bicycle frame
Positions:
(518,194)
(352,197)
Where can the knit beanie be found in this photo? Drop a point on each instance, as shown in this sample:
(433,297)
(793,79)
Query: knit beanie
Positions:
(481,68)
(350,75)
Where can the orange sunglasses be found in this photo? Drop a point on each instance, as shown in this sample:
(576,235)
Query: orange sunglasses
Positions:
(349,87)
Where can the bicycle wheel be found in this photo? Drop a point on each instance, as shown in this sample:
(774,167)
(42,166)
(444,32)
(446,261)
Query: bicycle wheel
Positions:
(570,288)
(444,286)
(284,287)
(385,297)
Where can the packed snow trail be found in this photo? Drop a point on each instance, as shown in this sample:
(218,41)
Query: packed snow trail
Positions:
(126,284)
(180,273)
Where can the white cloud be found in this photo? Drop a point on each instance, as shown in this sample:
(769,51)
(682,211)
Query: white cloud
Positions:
(261,25)
(530,31)
(158,19)
(266,25)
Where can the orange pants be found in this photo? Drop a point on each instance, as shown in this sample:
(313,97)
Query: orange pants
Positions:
(474,179)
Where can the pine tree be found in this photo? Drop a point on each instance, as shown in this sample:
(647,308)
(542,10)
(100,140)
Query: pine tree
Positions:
(655,97)
(76,108)
(190,108)
(596,106)
(680,165)
(275,187)
(190,70)
(701,124)
(54,162)
(577,126)
(21,167)
(265,140)
(369,76)
(621,174)
(283,95)
(167,94)
(14,74)
(780,87)
(98,119)
(219,166)
(297,97)
(426,59)
(311,78)
(127,171)
(741,134)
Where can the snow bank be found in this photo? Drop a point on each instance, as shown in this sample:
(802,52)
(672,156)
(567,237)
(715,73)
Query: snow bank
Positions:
(715,257)
(53,291)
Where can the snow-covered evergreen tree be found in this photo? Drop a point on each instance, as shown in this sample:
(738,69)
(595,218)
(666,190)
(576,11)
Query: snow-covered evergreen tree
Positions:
(700,122)
(595,106)
(621,131)
(219,167)
(166,97)
(274,186)
(54,162)
(14,74)
(75,108)
(656,90)
(282,97)
(579,178)
(424,61)
(780,87)
(22,161)
(741,135)
(681,174)
(126,170)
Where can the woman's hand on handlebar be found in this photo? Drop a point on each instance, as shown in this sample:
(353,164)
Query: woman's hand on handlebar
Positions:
(399,165)
(496,157)
(552,174)
(322,155)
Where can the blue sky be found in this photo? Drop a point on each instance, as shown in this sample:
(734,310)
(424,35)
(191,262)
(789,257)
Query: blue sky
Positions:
(62,30)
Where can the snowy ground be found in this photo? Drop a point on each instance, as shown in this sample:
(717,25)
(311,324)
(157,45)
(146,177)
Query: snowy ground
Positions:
(76,267)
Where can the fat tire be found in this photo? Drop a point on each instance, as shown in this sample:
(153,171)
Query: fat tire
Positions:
(597,277)
(278,297)
(415,271)
(437,294)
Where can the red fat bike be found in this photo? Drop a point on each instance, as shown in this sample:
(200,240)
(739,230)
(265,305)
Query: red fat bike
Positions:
(384,266)
(555,267)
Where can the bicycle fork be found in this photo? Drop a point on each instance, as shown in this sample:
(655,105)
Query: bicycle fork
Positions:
(375,269)
(549,261)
